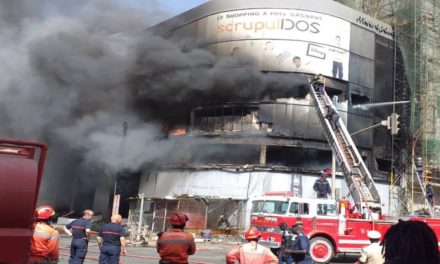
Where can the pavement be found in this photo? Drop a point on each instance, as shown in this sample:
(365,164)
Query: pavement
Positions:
(207,253)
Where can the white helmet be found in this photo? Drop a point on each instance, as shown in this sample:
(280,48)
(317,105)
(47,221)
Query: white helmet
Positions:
(373,234)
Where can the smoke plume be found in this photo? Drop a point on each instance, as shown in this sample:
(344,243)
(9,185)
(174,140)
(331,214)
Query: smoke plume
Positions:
(74,71)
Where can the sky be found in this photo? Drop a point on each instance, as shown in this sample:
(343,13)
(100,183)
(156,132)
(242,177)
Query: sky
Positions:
(168,7)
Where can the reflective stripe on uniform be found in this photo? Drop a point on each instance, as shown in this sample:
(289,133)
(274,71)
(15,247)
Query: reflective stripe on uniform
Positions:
(174,241)
(110,232)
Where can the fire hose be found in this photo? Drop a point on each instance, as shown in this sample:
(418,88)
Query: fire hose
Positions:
(130,256)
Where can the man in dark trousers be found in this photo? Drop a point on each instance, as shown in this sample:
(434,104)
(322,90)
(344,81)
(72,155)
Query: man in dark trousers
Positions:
(80,237)
(286,241)
(322,186)
(175,245)
(301,247)
(430,194)
(111,241)
(332,117)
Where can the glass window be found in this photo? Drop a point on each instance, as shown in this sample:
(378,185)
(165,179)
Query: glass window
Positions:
(270,207)
(326,209)
(299,208)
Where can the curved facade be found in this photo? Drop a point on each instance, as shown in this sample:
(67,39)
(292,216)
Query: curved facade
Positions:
(302,38)
(277,144)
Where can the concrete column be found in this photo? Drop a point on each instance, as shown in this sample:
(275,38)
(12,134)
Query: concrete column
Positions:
(263,150)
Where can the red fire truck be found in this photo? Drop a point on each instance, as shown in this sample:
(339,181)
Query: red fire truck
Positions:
(331,225)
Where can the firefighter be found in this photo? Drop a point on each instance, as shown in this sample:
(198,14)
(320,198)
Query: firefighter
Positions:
(175,245)
(301,247)
(286,239)
(318,83)
(111,241)
(44,243)
(430,194)
(372,254)
(332,117)
(80,237)
(322,186)
(251,252)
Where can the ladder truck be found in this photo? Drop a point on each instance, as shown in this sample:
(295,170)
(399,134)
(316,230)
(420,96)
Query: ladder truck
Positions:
(356,174)
(332,226)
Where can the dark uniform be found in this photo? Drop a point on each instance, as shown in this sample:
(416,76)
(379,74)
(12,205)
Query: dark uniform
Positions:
(78,247)
(318,84)
(286,243)
(430,194)
(333,117)
(111,246)
(322,188)
(302,242)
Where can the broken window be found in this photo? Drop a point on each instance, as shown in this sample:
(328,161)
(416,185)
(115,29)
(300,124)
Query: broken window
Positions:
(225,119)
(383,165)
(297,157)
(357,99)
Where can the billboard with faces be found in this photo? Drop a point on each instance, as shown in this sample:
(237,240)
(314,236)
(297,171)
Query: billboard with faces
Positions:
(281,39)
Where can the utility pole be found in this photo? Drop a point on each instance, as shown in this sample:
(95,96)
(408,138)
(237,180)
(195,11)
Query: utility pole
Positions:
(116,196)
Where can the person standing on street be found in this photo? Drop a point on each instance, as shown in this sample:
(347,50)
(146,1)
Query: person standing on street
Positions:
(111,241)
(175,245)
(251,252)
(44,242)
(80,237)
(372,254)
(301,247)
(322,186)
(286,239)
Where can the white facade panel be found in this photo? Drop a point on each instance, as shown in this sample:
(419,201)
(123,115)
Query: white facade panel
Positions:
(235,185)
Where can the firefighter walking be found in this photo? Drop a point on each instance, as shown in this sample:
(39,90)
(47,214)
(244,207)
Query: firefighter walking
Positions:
(251,252)
(175,245)
(44,243)
(80,237)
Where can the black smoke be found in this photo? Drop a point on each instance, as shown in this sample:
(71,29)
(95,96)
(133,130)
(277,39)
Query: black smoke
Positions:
(74,71)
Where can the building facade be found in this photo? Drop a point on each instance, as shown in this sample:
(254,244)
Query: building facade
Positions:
(241,149)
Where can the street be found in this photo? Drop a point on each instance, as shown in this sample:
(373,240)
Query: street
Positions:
(141,255)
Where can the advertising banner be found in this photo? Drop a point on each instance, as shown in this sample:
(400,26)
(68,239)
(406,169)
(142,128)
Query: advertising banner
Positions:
(289,56)
(282,39)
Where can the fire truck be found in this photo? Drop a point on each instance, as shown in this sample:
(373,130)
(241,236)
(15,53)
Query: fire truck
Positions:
(21,170)
(332,226)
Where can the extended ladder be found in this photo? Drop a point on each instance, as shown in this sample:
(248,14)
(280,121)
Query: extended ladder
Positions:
(358,178)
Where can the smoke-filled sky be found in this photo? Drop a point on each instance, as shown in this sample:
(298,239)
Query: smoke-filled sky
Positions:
(73,71)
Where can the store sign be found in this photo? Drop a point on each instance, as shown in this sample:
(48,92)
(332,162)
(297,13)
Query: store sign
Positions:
(281,39)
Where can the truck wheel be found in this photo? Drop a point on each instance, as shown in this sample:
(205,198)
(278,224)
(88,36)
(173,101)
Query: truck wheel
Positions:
(321,250)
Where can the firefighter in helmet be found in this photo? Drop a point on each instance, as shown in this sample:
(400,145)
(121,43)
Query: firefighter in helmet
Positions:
(175,245)
(251,252)
(44,243)
(322,186)
(318,83)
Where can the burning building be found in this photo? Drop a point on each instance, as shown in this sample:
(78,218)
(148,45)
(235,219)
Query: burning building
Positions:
(243,142)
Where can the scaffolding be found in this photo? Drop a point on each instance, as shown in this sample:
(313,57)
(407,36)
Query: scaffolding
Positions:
(416,28)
